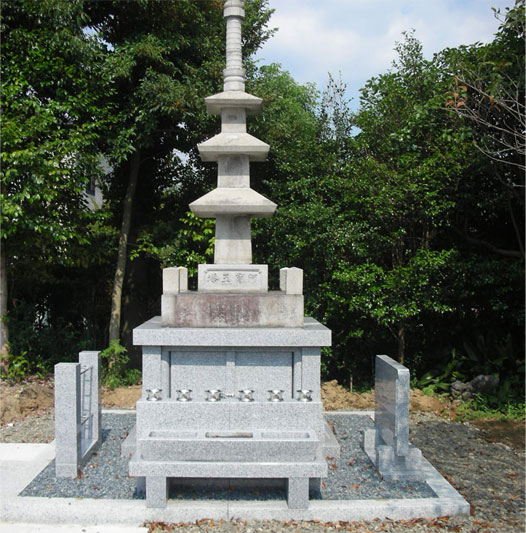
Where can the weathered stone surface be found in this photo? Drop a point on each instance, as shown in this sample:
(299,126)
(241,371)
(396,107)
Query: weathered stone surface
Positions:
(234,75)
(168,308)
(233,171)
(233,120)
(209,310)
(233,143)
(217,102)
(233,244)
(175,280)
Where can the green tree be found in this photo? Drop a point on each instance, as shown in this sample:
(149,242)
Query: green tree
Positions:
(487,89)
(411,155)
(372,218)
(51,125)
(164,58)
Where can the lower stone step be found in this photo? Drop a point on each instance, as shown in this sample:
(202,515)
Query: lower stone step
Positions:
(231,445)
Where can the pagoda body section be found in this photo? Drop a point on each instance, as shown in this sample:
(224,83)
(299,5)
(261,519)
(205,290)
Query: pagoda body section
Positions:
(231,371)
(232,292)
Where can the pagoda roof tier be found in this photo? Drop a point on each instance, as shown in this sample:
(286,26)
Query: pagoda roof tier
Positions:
(217,102)
(233,144)
(234,201)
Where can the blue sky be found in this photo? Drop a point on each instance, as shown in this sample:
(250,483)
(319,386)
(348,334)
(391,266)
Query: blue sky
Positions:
(357,37)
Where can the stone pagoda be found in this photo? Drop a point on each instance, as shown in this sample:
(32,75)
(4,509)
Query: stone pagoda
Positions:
(231,372)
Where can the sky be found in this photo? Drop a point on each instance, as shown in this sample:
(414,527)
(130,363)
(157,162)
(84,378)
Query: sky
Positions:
(357,37)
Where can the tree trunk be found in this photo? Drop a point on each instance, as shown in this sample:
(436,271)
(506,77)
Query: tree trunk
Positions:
(3,306)
(401,344)
(122,255)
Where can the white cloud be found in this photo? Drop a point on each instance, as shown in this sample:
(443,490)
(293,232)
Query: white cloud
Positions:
(357,37)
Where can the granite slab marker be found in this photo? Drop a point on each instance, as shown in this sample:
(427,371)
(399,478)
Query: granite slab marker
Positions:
(387,445)
(231,372)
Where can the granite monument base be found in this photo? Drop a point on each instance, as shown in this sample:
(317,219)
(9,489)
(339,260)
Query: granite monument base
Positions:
(231,403)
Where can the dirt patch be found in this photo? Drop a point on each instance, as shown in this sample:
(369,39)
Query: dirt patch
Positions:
(36,396)
(33,396)
(123,397)
(509,432)
(440,406)
(336,397)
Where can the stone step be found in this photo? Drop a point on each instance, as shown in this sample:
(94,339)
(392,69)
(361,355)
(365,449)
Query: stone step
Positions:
(232,445)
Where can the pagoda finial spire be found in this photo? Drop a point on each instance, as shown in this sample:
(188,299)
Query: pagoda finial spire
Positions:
(234,75)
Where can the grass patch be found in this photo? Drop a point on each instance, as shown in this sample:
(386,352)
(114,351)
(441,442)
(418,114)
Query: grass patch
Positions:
(480,407)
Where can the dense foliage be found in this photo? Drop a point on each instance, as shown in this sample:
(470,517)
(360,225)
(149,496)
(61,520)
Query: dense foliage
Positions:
(407,215)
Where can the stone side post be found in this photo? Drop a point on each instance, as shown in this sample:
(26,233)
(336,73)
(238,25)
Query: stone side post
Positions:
(67,419)
(91,412)
(77,412)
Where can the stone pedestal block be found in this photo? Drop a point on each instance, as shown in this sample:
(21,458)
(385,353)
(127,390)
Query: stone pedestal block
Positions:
(226,310)
(235,436)
(175,280)
(291,280)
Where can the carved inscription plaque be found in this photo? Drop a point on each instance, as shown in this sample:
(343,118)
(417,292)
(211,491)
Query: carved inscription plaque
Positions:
(233,278)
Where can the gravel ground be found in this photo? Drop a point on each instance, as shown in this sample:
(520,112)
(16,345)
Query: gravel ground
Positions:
(37,428)
(106,474)
(489,475)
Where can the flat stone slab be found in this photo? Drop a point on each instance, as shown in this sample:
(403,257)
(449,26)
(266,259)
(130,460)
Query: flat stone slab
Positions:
(230,445)
(233,201)
(68,528)
(233,144)
(198,469)
(20,463)
(152,333)
(216,103)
